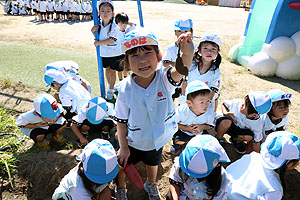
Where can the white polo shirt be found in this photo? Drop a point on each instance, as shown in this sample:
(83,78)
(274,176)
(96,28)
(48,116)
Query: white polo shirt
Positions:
(114,49)
(212,78)
(50,5)
(270,126)
(193,189)
(73,94)
(186,117)
(172,50)
(42,5)
(149,113)
(30,118)
(256,126)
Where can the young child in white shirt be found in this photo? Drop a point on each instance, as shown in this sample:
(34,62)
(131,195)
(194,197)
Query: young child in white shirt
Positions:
(46,118)
(262,175)
(194,117)
(242,121)
(198,173)
(96,113)
(91,177)
(145,112)
(276,119)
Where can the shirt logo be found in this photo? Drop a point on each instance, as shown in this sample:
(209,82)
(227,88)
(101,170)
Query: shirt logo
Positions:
(160,94)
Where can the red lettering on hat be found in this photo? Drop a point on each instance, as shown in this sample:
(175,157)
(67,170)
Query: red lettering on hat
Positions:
(134,42)
(54,105)
(143,40)
(160,94)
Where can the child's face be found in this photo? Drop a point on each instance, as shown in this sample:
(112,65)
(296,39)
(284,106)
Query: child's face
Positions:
(122,26)
(143,62)
(280,111)
(209,51)
(199,104)
(179,32)
(55,86)
(106,12)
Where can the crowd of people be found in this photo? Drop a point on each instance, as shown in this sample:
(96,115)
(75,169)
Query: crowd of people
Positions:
(146,118)
(49,10)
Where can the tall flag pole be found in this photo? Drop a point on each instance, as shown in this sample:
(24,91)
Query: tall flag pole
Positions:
(140,13)
(99,58)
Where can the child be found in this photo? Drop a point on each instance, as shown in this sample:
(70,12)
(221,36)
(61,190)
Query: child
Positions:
(28,7)
(90,178)
(71,94)
(34,6)
(110,51)
(44,119)
(50,9)
(277,117)
(122,20)
(205,66)
(59,10)
(145,112)
(197,172)
(196,116)
(92,115)
(242,121)
(261,176)
(181,26)
(42,10)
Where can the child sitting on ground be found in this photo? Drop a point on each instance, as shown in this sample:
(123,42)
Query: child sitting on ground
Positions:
(90,178)
(194,117)
(93,115)
(197,173)
(71,94)
(277,117)
(262,175)
(242,120)
(46,118)
(145,112)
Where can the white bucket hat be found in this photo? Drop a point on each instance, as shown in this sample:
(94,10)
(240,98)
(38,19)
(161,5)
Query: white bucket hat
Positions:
(211,37)
(261,101)
(279,147)
(196,86)
(46,106)
(99,161)
(201,155)
(64,66)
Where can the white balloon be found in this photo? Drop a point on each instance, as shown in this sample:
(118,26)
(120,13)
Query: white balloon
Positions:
(234,51)
(296,38)
(289,69)
(262,64)
(281,48)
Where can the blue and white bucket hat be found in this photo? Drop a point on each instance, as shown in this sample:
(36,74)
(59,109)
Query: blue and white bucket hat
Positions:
(201,155)
(68,66)
(138,37)
(99,159)
(211,37)
(183,24)
(96,110)
(196,86)
(261,101)
(278,95)
(279,147)
(53,75)
(47,106)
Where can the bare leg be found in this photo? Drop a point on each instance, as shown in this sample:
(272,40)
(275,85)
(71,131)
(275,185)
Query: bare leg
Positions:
(151,172)
(223,127)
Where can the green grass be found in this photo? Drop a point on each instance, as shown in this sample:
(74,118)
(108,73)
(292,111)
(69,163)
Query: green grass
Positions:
(175,1)
(25,63)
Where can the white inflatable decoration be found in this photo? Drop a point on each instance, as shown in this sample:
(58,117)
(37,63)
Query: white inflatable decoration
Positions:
(281,58)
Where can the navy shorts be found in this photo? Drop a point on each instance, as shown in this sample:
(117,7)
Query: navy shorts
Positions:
(40,131)
(151,158)
(113,62)
(234,130)
(181,136)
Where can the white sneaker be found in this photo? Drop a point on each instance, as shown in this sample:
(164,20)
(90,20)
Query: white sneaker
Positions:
(121,194)
(152,190)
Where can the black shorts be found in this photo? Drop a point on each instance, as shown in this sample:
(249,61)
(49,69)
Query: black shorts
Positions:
(151,158)
(181,136)
(34,10)
(40,131)
(104,123)
(234,130)
(77,13)
(51,12)
(43,13)
(113,62)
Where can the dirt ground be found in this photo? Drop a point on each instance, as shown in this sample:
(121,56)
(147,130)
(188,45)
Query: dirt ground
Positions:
(39,173)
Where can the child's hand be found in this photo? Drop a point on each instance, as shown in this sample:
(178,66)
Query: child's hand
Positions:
(42,124)
(197,128)
(186,43)
(96,43)
(84,141)
(94,28)
(231,115)
(123,155)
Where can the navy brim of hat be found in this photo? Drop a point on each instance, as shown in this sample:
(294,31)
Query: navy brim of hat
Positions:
(184,166)
(105,178)
(52,115)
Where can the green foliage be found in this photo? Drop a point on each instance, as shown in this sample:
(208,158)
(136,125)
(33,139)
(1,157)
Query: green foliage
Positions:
(175,1)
